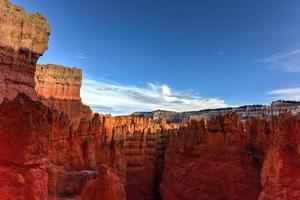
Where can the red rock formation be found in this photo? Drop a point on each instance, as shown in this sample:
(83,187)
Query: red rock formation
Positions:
(138,144)
(110,186)
(58,82)
(23,39)
(280,174)
(225,158)
(50,154)
(132,146)
(24,135)
(58,87)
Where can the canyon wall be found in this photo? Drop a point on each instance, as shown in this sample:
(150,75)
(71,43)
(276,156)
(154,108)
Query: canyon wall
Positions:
(227,158)
(58,82)
(58,87)
(133,147)
(138,143)
(247,111)
(23,39)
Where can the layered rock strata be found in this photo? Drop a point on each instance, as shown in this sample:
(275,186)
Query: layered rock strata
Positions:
(58,87)
(227,158)
(25,129)
(110,186)
(248,111)
(132,146)
(23,39)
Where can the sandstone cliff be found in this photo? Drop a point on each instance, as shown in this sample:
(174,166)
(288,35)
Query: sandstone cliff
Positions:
(247,111)
(70,157)
(58,87)
(25,128)
(58,82)
(132,146)
(23,39)
(227,158)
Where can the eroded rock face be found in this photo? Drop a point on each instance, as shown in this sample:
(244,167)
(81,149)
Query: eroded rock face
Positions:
(58,82)
(227,158)
(58,87)
(25,128)
(247,111)
(280,173)
(54,159)
(23,39)
(132,146)
(110,186)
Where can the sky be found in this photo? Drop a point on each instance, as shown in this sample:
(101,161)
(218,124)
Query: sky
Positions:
(142,55)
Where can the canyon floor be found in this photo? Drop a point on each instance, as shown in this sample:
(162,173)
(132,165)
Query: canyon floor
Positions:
(54,147)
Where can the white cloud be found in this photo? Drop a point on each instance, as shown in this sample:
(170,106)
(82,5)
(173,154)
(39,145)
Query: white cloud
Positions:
(288,61)
(286,93)
(110,97)
(83,56)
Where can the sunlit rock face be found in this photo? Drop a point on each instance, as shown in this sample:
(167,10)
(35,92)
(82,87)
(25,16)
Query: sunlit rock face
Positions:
(247,111)
(58,82)
(58,87)
(23,39)
(226,158)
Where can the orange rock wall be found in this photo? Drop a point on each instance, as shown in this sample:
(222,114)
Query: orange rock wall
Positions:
(226,158)
(58,87)
(132,146)
(58,82)
(23,39)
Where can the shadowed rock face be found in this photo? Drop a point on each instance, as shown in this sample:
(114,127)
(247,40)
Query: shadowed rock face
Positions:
(23,39)
(25,128)
(132,146)
(109,187)
(227,158)
(68,157)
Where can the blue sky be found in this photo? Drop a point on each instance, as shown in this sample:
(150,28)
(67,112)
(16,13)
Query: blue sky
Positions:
(177,55)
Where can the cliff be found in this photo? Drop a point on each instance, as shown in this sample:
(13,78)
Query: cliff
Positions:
(58,82)
(227,158)
(132,146)
(70,158)
(58,87)
(247,111)
(23,39)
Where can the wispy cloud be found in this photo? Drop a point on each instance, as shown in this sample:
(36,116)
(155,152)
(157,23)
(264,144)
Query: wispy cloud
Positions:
(110,97)
(286,93)
(83,56)
(287,61)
